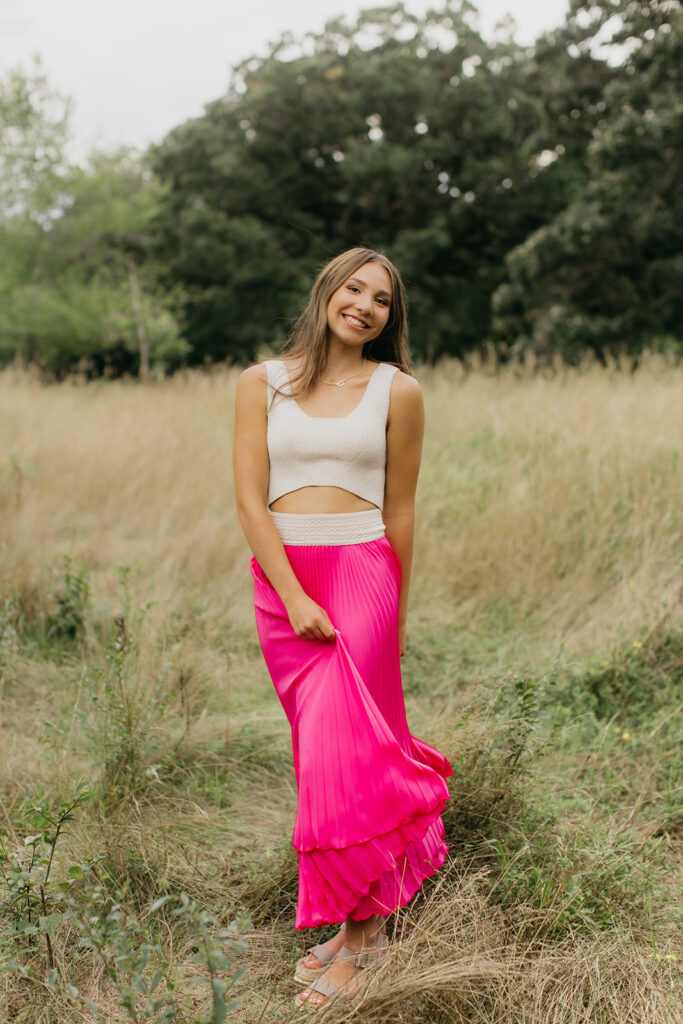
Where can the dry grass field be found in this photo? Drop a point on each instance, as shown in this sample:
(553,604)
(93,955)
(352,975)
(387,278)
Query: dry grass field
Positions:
(545,658)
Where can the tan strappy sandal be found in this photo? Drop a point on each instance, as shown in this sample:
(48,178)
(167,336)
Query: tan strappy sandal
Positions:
(304,974)
(362,960)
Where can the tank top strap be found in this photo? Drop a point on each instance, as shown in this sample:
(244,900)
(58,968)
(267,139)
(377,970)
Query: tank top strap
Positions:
(277,372)
(278,377)
(380,389)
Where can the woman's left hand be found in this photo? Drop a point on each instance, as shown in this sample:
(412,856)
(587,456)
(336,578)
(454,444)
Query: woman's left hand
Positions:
(401,640)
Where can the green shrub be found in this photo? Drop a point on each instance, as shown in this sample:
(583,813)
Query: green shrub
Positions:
(72,598)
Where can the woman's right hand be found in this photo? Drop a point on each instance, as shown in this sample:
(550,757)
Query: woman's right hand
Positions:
(308,619)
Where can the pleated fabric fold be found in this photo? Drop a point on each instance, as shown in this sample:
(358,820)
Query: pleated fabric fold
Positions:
(368,827)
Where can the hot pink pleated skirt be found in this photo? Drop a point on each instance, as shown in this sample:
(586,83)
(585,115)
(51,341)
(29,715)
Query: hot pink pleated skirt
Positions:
(368,826)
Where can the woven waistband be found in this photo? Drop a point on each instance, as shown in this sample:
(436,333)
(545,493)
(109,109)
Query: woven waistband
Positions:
(333,528)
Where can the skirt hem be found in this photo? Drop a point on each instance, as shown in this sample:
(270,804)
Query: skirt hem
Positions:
(376,876)
(403,900)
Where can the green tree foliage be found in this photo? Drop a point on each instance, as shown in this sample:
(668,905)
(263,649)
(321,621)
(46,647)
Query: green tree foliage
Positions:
(78,284)
(529,195)
(413,135)
(33,138)
(607,272)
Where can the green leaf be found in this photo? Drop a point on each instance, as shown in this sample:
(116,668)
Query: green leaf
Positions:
(236,975)
(50,923)
(158,903)
(25,928)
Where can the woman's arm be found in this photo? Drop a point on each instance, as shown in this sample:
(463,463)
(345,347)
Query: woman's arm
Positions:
(405,431)
(251,469)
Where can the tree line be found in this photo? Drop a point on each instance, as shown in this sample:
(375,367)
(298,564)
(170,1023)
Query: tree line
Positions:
(529,195)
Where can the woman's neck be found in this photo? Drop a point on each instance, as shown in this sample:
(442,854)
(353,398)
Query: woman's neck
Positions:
(342,361)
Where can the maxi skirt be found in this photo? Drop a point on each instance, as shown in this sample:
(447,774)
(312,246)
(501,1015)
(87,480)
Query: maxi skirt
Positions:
(368,827)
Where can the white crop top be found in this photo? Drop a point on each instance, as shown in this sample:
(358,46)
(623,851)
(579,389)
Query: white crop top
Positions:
(328,451)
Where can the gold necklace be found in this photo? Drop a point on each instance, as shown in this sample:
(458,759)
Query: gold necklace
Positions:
(342,380)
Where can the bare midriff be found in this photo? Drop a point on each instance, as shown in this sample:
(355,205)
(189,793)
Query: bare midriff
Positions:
(320,499)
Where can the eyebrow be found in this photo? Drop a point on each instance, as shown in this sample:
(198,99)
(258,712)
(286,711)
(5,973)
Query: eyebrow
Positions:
(359,280)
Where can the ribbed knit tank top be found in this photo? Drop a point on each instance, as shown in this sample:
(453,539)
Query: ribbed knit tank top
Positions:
(328,451)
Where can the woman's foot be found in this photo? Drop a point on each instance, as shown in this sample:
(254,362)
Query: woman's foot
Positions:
(345,975)
(318,958)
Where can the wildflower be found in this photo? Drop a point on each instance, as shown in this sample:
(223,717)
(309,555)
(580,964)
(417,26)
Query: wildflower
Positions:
(631,583)
(626,735)
(637,643)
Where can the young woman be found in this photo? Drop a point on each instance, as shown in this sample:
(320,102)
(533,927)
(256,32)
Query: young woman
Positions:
(327,451)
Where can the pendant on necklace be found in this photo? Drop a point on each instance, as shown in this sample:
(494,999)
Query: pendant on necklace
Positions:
(340,382)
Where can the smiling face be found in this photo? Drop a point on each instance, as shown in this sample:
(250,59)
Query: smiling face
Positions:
(359,310)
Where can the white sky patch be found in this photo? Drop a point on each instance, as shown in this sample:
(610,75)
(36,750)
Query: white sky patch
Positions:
(137,68)
(547,157)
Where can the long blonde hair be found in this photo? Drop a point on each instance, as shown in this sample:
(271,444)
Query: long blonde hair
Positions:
(308,337)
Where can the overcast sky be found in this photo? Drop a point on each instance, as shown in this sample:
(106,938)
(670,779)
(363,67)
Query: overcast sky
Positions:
(137,68)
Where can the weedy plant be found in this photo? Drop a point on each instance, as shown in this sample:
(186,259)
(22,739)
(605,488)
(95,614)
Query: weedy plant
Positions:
(33,904)
(132,960)
(72,596)
(640,677)
(36,909)
(126,715)
(9,637)
(218,956)
(488,789)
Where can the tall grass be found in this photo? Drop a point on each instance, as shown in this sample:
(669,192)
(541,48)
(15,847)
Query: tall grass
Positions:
(554,494)
(545,657)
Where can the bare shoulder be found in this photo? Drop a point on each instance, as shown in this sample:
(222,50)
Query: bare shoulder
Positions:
(251,395)
(406,393)
(405,384)
(254,373)
(253,378)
